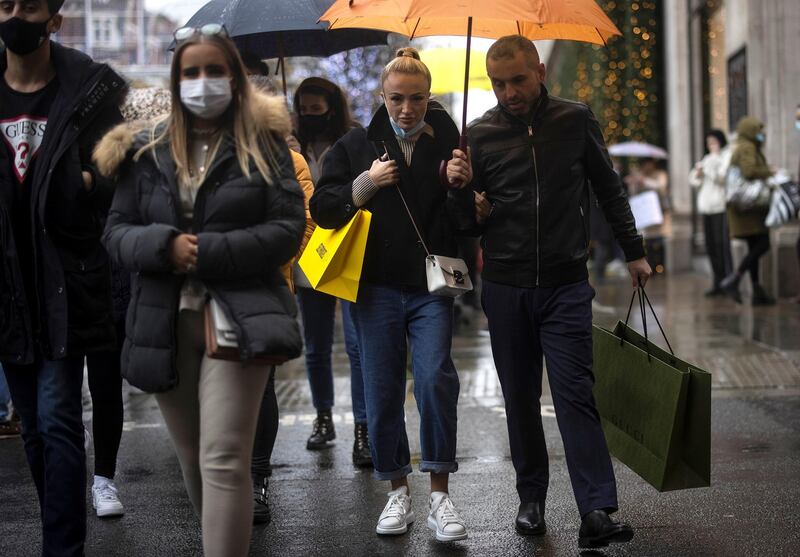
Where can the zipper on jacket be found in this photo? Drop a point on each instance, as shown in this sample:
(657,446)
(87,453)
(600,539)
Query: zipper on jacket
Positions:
(536,175)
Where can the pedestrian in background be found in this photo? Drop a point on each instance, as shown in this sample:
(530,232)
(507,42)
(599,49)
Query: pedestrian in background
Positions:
(748,225)
(533,156)
(399,154)
(55,103)
(206,205)
(9,426)
(323,117)
(709,176)
(269,416)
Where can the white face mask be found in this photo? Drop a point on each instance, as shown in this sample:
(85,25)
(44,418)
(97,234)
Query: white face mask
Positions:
(206,98)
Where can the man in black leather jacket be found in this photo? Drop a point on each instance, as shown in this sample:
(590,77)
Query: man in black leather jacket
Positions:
(534,159)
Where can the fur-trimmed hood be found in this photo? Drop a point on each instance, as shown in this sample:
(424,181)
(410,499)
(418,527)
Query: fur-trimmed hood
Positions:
(270,112)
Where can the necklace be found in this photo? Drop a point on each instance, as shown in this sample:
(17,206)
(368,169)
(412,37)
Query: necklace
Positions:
(207,132)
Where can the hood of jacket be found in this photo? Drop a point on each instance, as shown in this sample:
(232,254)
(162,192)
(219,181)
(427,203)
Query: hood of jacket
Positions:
(748,127)
(270,113)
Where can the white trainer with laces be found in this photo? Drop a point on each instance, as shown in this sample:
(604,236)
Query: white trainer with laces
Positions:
(105,498)
(397,514)
(444,519)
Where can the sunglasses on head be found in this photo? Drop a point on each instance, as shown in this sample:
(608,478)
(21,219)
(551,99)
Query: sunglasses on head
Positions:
(207,30)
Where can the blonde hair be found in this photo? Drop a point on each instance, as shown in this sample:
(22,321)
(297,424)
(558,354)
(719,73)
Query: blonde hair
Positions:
(406,61)
(251,141)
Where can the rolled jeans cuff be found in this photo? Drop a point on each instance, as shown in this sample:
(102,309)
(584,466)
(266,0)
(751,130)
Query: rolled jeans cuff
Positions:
(393,475)
(438,467)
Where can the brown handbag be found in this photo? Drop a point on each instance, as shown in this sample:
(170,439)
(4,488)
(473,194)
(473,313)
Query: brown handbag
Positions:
(221,341)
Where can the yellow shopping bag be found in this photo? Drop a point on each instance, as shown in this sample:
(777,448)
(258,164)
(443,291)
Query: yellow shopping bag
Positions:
(333,259)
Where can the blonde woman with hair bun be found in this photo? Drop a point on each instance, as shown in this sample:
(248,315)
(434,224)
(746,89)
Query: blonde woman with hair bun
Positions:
(400,151)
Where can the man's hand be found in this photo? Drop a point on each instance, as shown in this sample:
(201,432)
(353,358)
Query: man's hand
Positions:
(384,172)
(88,180)
(482,207)
(640,271)
(459,168)
(183,253)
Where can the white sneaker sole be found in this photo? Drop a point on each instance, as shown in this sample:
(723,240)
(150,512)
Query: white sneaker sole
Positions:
(116,510)
(402,529)
(441,536)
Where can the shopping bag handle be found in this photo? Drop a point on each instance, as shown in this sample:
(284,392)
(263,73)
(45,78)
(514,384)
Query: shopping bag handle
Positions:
(640,291)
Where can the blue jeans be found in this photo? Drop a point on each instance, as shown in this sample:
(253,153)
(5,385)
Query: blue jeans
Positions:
(526,325)
(5,397)
(318,311)
(388,319)
(47,396)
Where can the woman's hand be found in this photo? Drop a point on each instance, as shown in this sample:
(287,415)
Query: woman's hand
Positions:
(293,144)
(384,173)
(459,169)
(88,181)
(183,253)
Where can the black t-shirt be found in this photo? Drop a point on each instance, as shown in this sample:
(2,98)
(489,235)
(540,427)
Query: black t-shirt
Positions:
(23,120)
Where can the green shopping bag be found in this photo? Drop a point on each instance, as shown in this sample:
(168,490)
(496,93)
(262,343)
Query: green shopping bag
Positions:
(655,408)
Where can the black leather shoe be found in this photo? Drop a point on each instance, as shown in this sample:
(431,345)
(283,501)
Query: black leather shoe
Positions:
(322,433)
(361,453)
(598,530)
(261,512)
(530,519)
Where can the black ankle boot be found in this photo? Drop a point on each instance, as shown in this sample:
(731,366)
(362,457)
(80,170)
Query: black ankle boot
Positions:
(361,453)
(760,297)
(261,512)
(322,433)
(730,285)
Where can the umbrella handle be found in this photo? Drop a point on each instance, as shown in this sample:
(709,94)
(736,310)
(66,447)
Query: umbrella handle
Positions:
(462,145)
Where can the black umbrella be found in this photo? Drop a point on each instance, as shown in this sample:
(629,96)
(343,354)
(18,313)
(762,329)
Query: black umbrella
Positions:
(279,28)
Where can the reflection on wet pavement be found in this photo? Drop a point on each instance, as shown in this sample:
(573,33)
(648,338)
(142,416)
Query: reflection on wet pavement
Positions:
(742,346)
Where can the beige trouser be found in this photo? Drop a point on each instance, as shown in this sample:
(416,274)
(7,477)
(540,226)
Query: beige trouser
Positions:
(211,417)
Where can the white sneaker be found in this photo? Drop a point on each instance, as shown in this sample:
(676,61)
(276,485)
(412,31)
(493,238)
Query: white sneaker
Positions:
(444,519)
(397,514)
(105,499)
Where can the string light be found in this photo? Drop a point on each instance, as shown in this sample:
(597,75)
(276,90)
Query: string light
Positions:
(622,82)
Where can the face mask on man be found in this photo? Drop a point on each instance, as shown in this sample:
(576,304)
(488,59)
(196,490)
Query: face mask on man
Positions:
(313,124)
(797,125)
(760,137)
(206,98)
(23,37)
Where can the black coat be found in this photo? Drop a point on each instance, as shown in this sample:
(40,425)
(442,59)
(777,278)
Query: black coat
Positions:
(246,229)
(394,255)
(72,312)
(537,176)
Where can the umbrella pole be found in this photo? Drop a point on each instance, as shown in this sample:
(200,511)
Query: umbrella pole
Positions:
(282,64)
(463,140)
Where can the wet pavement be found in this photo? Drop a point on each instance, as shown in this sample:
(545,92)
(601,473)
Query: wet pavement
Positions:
(324,506)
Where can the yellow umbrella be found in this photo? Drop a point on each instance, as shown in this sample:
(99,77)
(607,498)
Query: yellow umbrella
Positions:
(449,77)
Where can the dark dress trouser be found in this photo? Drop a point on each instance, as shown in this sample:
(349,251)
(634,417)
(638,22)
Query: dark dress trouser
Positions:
(526,324)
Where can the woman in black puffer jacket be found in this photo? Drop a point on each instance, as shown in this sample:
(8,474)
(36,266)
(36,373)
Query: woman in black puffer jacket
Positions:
(207,206)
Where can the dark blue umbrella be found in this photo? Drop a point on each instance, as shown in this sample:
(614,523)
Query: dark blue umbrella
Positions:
(279,28)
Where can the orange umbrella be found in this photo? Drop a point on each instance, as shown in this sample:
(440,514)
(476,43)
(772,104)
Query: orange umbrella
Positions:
(577,20)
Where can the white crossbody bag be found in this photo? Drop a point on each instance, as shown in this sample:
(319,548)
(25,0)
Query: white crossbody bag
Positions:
(447,276)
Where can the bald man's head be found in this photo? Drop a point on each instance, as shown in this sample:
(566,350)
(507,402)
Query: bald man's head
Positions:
(516,73)
(508,46)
